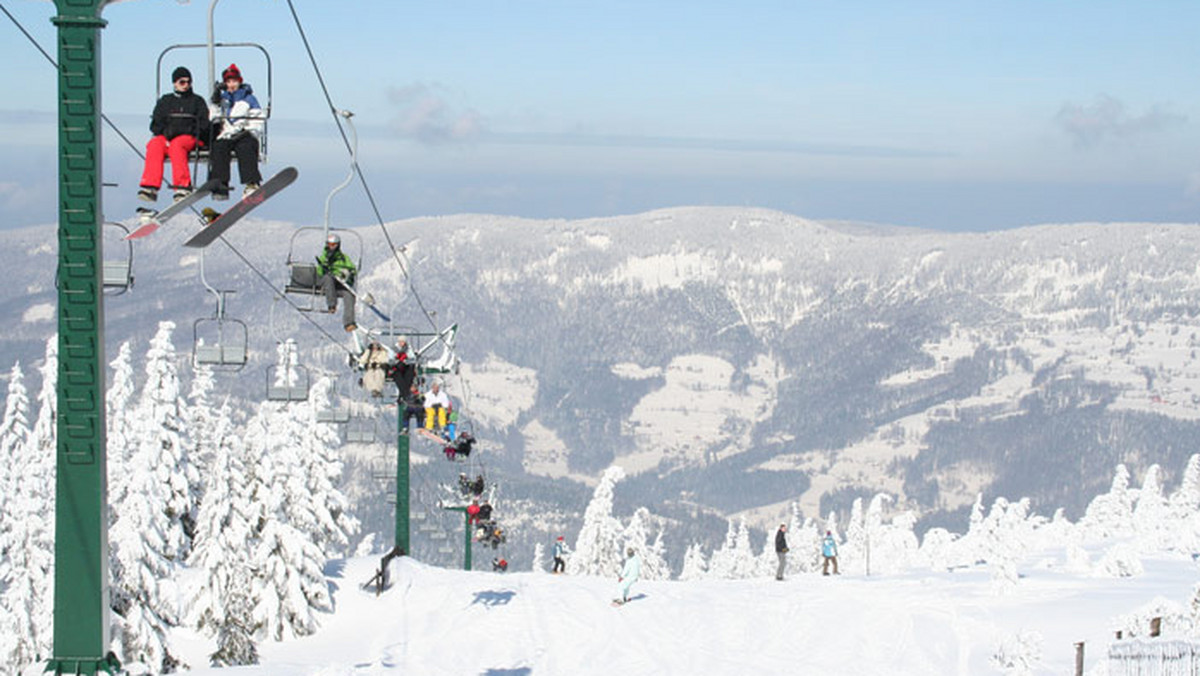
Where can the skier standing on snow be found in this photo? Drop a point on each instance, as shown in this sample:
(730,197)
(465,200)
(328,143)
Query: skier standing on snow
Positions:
(829,551)
(560,555)
(629,574)
(781,550)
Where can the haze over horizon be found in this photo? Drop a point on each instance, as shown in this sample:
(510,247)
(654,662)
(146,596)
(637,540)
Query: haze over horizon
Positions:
(933,114)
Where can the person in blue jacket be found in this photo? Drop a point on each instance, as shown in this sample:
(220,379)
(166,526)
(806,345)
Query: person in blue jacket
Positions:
(629,574)
(829,551)
(240,118)
(560,555)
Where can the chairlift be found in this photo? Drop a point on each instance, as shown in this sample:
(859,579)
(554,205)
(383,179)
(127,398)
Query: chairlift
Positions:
(162,76)
(337,411)
(117,273)
(360,429)
(294,382)
(305,245)
(220,341)
(424,343)
(303,250)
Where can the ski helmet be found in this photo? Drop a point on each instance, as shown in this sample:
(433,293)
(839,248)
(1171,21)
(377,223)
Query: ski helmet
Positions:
(333,239)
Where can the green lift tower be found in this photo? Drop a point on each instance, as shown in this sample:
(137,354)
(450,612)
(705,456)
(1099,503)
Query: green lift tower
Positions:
(81,601)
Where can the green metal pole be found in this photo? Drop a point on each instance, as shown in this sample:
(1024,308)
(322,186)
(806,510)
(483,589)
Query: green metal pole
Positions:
(402,491)
(466,535)
(81,585)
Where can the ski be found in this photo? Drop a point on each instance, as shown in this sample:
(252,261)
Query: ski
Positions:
(154,219)
(233,214)
(365,299)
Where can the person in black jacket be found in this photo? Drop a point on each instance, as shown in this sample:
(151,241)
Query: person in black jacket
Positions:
(178,124)
(781,550)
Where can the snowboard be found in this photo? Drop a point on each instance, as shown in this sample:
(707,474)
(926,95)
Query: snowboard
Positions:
(233,214)
(153,219)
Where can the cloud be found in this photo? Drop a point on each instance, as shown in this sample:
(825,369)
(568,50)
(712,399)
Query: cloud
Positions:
(425,115)
(1106,117)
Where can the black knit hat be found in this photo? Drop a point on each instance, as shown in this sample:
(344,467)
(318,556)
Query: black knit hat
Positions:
(180,72)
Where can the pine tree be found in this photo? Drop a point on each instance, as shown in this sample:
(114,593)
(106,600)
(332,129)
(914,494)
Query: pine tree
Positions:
(635,535)
(1110,514)
(150,532)
(14,442)
(221,604)
(539,558)
(855,551)
(28,589)
(694,566)
(598,550)
(119,444)
(1151,513)
(164,444)
(722,563)
(292,522)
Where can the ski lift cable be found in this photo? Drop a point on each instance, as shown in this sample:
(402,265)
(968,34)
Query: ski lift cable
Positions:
(54,63)
(397,252)
(195,210)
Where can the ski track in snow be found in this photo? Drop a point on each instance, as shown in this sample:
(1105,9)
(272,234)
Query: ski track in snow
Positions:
(451,622)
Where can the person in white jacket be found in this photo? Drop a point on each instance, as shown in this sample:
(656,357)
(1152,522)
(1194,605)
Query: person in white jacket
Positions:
(239,117)
(629,574)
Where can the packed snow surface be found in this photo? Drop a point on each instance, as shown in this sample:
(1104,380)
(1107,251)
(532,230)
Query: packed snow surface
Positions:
(435,621)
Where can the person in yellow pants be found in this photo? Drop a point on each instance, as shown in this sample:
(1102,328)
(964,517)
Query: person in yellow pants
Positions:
(437,407)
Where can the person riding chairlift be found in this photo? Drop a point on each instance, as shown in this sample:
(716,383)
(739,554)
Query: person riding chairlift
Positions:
(335,278)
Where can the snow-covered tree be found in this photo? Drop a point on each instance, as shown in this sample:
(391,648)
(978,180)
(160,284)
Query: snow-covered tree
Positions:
(854,552)
(221,604)
(151,528)
(203,420)
(935,549)
(1151,513)
(235,635)
(26,616)
(598,549)
(289,586)
(164,446)
(539,559)
(1121,560)
(1019,655)
(694,566)
(636,535)
(120,422)
(1186,500)
(1110,514)
(722,562)
(14,442)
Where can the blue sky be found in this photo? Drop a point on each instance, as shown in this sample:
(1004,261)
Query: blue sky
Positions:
(949,115)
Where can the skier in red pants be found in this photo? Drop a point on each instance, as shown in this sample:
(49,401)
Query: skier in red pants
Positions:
(179,123)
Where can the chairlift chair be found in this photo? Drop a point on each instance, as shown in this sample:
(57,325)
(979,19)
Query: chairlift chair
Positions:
(220,341)
(293,385)
(200,153)
(117,273)
(360,430)
(305,245)
(337,411)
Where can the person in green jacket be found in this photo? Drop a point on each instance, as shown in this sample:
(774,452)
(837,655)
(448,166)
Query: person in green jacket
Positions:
(335,278)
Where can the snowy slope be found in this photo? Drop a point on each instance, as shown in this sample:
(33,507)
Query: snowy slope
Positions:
(435,621)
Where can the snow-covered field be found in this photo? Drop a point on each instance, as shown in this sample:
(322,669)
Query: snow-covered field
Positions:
(435,621)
